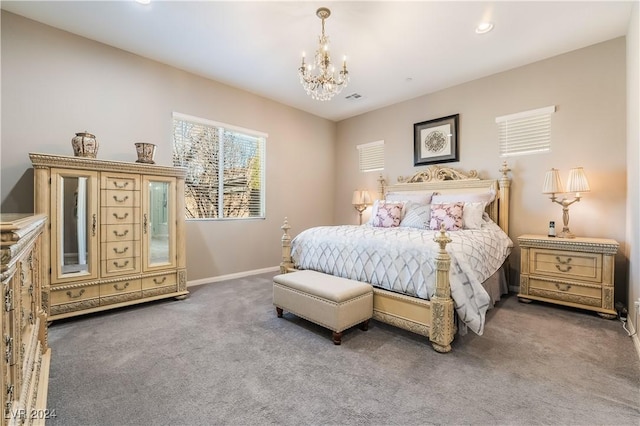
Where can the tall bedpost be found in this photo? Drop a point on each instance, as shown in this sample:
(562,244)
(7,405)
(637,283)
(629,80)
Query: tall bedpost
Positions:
(287,262)
(505,184)
(442,327)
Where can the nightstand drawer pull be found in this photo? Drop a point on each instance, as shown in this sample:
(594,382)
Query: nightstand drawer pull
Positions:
(563,287)
(560,267)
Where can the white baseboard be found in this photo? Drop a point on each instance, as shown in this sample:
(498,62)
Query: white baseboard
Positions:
(634,337)
(232,276)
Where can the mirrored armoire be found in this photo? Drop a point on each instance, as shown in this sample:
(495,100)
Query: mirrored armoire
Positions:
(116,233)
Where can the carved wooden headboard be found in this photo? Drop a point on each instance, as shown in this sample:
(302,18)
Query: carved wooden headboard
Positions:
(446,180)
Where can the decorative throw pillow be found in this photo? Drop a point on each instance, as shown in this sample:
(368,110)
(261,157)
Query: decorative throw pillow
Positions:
(449,214)
(416,216)
(387,214)
(472,215)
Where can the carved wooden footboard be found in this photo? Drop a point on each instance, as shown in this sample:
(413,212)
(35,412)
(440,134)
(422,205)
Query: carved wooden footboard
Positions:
(432,318)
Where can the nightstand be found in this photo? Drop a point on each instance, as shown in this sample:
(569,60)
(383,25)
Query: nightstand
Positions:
(575,272)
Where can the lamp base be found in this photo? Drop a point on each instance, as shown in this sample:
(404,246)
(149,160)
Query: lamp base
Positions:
(566,233)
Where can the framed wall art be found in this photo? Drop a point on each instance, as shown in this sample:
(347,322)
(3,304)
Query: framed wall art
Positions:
(436,141)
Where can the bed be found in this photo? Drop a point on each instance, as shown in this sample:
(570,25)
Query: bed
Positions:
(435,281)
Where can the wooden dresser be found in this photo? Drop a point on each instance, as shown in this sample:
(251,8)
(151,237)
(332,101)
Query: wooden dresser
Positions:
(577,272)
(25,353)
(116,236)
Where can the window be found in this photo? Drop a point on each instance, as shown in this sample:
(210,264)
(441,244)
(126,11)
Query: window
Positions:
(527,132)
(371,156)
(225,168)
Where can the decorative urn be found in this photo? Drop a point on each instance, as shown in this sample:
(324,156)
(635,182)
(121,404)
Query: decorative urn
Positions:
(85,145)
(146,152)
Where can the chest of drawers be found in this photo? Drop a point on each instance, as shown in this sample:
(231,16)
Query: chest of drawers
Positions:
(577,272)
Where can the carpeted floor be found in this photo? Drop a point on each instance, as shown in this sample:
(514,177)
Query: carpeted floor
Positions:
(223,357)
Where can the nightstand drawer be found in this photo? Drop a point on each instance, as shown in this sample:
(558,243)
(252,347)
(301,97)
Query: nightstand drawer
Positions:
(583,294)
(566,264)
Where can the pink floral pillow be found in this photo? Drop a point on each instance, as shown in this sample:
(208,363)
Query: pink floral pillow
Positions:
(387,214)
(449,214)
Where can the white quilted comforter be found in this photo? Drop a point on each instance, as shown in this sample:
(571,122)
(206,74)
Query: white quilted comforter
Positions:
(402,260)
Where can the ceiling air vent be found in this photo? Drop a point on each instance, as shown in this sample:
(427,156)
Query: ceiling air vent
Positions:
(354,96)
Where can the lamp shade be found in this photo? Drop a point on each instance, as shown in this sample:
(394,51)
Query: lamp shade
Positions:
(577,181)
(360,198)
(552,183)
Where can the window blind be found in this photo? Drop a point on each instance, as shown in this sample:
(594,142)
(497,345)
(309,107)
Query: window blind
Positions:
(526,132)
(225,168)
(371,156)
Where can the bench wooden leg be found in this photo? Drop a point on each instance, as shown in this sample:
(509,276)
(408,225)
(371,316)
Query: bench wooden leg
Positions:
(364,326)
(279,312)
(337,338)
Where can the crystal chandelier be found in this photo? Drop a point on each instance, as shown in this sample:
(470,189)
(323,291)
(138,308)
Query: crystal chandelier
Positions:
(319,79)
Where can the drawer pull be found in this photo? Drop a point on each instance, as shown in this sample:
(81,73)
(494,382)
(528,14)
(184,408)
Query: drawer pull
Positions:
(158,282)
(145,222)
(94,225)
(117,265)
(563,265)
(563,287)
(126,231)
(124,216)
(120,186)
(72,296)
(115,286)
(122,200)
(116,251)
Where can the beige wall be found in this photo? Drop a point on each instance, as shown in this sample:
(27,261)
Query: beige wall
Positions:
(55,84)
(588,129)
(633,162)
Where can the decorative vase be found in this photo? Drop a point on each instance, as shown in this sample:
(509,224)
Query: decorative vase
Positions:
(146,152)
(85,145)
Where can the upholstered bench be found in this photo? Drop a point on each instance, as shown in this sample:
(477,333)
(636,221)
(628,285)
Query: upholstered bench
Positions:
(332,302)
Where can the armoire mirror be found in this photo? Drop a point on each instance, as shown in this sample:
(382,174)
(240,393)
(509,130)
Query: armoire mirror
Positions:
(75,225)
(158,225)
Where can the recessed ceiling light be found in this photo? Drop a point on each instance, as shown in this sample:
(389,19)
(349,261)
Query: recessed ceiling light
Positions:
(484,27)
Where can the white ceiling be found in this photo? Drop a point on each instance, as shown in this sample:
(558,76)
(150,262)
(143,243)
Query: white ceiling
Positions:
(395,50)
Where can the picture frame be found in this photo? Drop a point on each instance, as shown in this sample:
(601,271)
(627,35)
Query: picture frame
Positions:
(436,141)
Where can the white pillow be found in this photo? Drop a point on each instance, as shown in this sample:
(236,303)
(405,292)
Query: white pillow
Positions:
(472,197)
(417,216)
(420,197)
(472,215)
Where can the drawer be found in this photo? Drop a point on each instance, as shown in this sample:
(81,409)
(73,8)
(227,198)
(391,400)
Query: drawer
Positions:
(120,287)
(159,281)
(122,232)
(120,250)
(583,294)
(76,294)
(566,264)
(118,215)
(120,198)
(120,181)
(124,265)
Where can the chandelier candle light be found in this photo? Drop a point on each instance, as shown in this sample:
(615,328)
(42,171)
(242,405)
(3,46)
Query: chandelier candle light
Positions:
(576,183)
(318,79)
